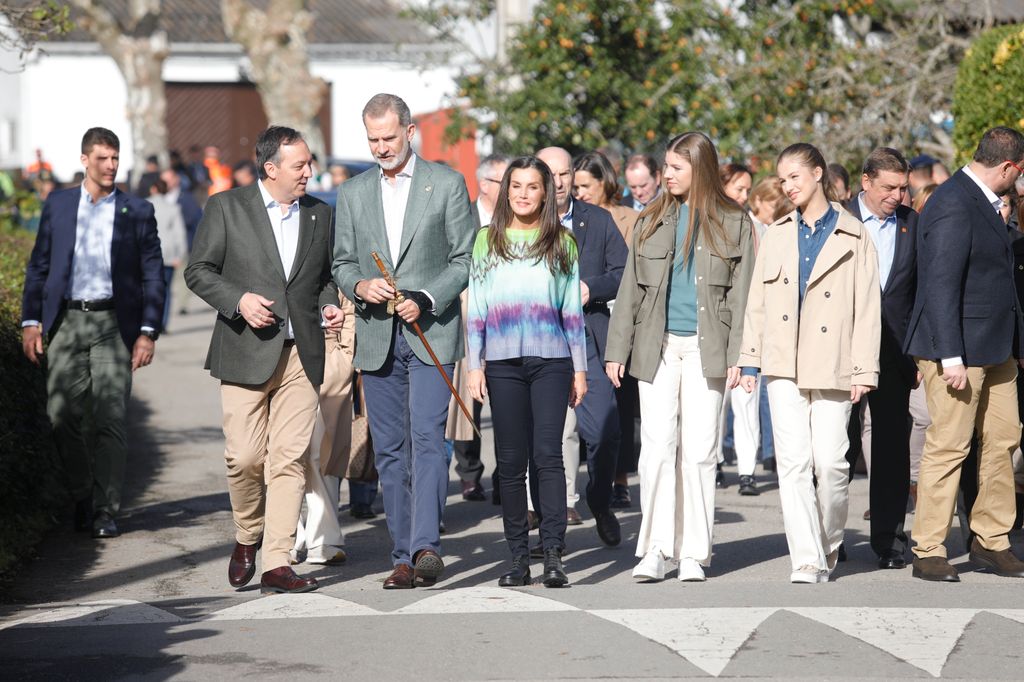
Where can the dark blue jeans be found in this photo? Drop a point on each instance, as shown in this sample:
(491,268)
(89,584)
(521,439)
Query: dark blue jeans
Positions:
(407,407)
(528,399)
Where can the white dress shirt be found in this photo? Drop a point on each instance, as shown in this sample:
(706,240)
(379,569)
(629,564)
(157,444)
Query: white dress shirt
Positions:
(395,199)
(485,215)
(286,233)
(883,234)
(997,205)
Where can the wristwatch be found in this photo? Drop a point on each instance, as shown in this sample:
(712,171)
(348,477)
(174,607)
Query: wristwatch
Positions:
(153,335)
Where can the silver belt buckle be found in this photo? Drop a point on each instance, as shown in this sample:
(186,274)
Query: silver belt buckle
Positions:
(85,306)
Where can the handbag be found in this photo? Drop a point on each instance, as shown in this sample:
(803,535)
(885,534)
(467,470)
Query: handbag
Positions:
(361,467)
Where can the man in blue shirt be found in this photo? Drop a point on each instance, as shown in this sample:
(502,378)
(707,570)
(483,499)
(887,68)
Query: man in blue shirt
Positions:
(95,286)
(893,229)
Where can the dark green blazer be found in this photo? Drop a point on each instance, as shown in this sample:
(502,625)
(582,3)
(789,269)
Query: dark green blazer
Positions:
(434,256)
(234,253)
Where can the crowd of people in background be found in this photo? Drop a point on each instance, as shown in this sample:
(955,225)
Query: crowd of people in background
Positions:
(799,317)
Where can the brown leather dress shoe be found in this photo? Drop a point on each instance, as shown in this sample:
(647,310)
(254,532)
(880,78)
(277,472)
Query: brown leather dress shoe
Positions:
(242,566)
(935,568)
(400,578)
(284,580)
(428,568)
(1003,562)
(572,517)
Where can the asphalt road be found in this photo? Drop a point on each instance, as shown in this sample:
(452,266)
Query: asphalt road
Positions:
(155,604)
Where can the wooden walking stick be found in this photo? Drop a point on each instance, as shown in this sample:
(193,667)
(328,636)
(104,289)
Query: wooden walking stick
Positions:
(399,298)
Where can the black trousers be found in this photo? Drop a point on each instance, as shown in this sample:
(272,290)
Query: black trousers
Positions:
(889,485)
(468,466)
(597,421)
(529,397)
(627,398)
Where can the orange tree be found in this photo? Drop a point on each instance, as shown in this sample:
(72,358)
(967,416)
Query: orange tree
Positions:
(755,75)
(586,72)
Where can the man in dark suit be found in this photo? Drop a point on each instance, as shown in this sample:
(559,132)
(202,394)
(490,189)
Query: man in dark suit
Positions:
(602,258)
(262,259)
(965,333)
(893,229)
(94,285)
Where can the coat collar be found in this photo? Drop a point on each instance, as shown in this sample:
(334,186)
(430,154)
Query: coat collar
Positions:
(420,191)
(983,205)
(252,199)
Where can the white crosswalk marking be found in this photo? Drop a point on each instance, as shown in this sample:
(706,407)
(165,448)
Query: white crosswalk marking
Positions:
(708,638)
(484,600)
(293,606)
(107,612)
(922,637)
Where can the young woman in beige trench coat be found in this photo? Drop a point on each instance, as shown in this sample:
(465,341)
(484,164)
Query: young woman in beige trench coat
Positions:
(812,327)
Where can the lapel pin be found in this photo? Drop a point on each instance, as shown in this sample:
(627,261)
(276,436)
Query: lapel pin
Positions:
(903,229)
(581,223)
(314,217)
(124,209)
(427,188)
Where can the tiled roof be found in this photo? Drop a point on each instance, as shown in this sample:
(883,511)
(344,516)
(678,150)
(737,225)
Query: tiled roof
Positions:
(337,22)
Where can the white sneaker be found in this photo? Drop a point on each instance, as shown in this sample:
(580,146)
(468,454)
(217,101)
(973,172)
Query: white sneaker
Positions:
(690,571)
(334,557)
(809,575)
(651,568)
(832,561)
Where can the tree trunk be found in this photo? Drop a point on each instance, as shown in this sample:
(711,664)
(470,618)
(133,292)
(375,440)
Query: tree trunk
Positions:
(139,48)
(275,43)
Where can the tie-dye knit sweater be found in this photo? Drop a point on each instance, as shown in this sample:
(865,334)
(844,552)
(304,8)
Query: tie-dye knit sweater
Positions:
(518,308)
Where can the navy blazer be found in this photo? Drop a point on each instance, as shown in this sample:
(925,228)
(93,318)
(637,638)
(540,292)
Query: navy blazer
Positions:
(136,266)
(899,292)
(966,301)
(602,258)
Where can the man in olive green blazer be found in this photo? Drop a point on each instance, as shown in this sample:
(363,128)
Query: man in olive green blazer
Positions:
(262,258)
(416,216)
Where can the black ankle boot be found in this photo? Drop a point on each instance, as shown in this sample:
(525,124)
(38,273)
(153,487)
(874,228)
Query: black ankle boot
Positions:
(520,573)
(554,575)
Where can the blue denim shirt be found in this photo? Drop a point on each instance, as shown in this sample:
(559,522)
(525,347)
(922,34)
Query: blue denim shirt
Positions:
(810,243)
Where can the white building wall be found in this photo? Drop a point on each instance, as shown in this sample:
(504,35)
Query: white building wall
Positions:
(58,96)
(62,96)
(354,83)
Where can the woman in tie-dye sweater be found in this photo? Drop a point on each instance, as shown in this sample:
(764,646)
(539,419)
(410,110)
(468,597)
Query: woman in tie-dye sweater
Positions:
(527,351)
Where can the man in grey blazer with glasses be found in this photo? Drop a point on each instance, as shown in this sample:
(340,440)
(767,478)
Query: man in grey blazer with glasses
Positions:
(416,215)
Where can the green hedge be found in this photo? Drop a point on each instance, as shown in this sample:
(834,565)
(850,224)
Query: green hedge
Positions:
(989,88)
(29,494)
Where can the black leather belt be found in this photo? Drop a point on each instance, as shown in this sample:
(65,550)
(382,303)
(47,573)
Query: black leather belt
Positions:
(91,306)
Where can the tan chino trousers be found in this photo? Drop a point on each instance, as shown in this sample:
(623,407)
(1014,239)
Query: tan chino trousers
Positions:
(267,430)
(988,406)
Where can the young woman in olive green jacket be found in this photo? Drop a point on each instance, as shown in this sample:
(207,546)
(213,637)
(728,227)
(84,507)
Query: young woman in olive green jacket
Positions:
(677,324)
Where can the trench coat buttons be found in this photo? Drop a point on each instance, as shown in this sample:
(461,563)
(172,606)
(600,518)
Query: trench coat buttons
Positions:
(824,329)
(702,308)
(785,280)
(785,318)
(828,295)
(856,369)
(753,350)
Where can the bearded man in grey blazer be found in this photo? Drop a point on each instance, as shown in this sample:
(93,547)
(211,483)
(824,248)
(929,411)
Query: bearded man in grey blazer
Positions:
(416,215)
(262,259)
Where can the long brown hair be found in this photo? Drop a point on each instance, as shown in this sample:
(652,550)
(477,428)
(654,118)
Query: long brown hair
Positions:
(707,199)
(551,245)
(808,155)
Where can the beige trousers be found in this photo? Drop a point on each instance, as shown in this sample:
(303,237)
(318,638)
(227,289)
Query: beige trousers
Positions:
(988,406)
(319,535)
(267,429)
